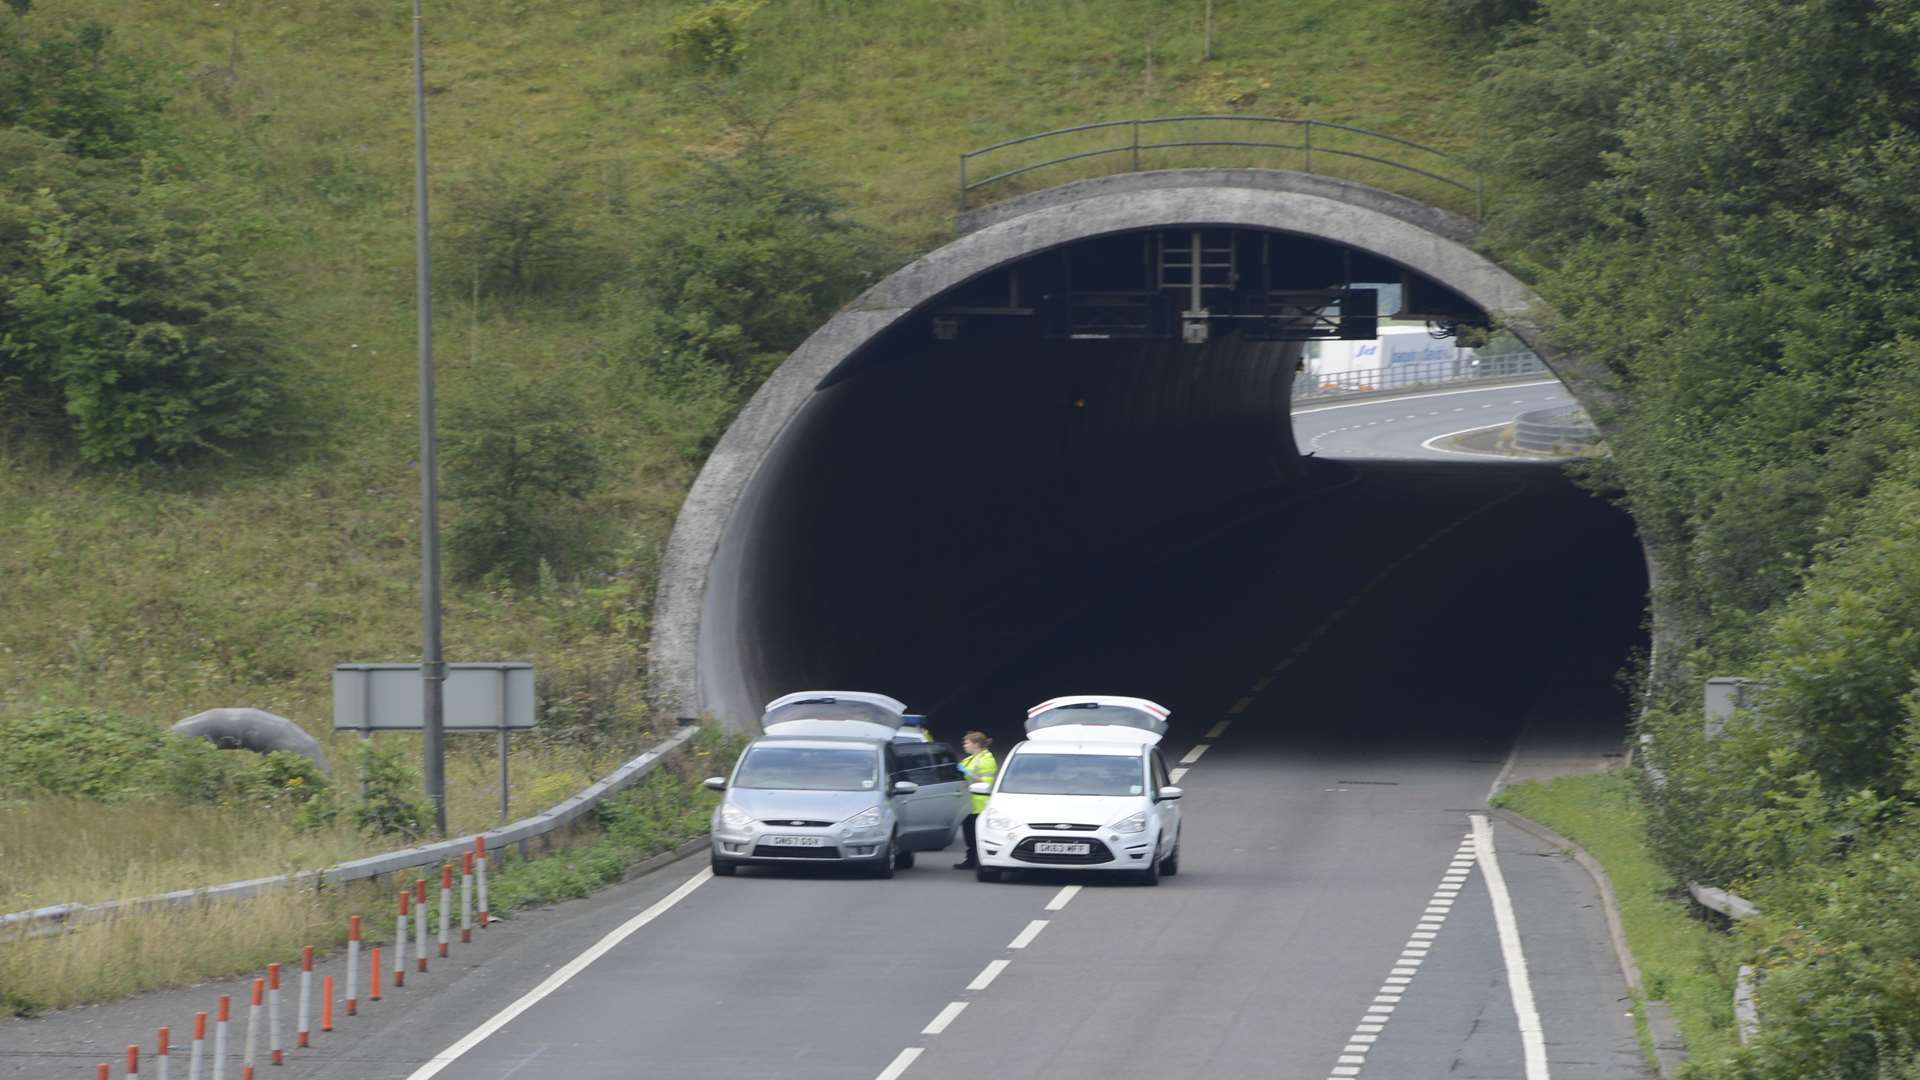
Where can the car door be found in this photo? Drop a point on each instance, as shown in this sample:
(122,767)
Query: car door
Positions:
(919,814)
(950,792)
(1167,810)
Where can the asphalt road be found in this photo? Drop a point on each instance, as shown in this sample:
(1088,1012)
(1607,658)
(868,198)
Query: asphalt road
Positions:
(1413,428)
(1348,674)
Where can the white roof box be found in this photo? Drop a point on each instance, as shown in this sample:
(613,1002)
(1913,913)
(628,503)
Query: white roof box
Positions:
(1085,714)
(858,713)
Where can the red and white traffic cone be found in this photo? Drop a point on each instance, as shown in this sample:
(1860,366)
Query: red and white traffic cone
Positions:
(275,1052)
(197,1053)
(220,1037)
(480,863)
(446,905)
(400,940)
(373,976)
(420,923)
(133,1062)
(466,898)
(253,1029)
(353,965)
(162,1053)
(306,997)
(326,1004)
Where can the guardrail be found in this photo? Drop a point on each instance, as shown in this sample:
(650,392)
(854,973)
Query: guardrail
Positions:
(1136,141)
(1421,373)
(58,916)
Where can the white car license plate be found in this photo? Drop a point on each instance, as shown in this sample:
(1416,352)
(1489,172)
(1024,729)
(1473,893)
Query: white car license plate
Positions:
(795,841)
(1057,847)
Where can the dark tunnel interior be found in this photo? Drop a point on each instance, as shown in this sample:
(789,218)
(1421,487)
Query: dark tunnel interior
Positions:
(1037,440)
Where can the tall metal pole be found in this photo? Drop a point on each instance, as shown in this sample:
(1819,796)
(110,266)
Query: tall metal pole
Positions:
(433,669)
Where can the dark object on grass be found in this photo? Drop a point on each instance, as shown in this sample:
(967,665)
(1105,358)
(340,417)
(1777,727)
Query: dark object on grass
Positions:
(253,729)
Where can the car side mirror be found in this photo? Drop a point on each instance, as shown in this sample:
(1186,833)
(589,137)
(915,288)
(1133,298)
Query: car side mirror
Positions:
(980,789)
(1171,792)
(905,787)
(715,783)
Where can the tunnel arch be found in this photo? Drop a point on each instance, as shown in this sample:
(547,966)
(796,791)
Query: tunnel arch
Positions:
(708,661)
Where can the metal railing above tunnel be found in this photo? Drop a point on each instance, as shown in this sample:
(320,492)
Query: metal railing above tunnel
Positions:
(1140,144)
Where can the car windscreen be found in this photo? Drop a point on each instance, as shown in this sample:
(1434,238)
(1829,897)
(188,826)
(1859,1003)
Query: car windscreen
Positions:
(1072,774)
(791,768)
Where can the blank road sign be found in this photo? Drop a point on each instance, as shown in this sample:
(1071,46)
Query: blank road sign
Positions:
(387,697)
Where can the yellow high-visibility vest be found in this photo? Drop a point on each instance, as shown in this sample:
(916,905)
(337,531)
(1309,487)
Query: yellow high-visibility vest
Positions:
(980,768)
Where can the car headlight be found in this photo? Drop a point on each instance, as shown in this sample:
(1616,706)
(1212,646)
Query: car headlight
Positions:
(1132,823)
(865,819)
(732,817)
(1000,822)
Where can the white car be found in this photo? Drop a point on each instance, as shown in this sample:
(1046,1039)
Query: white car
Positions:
(1087,790)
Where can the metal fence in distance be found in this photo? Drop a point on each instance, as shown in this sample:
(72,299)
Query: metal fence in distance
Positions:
(1308,386)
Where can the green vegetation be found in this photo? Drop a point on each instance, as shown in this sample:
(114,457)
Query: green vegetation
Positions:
(1683,961)
(207,438)
(1717,197)
(149,852)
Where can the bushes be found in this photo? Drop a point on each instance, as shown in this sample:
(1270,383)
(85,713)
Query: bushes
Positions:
(129,326)
(520,465)
(709,38)
(517,235)
(107,757)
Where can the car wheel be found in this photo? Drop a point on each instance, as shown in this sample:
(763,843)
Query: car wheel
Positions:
(981,873)
(1151,875)
(903,860)
(1170,865)
(883,867)
(723,868)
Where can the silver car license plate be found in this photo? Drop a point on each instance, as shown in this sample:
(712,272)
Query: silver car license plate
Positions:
(1056,847)
(794,841)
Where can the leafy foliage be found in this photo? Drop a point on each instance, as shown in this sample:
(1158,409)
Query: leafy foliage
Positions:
(520,467)
(1718,198)
(711,38)
(516,235)
(71,84)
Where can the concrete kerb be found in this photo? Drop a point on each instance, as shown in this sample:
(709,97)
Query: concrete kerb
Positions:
(1669,1047)
(51,919)
(1424,240)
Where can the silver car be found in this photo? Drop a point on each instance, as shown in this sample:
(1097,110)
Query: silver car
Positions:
(830,782)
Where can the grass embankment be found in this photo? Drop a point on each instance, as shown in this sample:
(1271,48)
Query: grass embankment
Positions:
(104,960)
(1683,960)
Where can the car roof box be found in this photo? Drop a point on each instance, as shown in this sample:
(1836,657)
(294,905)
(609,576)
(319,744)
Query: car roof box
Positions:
(1088,711)
(858,713)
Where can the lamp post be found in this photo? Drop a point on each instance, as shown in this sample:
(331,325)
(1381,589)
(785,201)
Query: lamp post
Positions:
(433,670)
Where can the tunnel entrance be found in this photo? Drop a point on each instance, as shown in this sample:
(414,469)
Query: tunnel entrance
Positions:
(1026,420)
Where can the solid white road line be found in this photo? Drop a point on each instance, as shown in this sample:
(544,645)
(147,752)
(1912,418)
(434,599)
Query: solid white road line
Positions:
(1532,1040)
(1061,898)
(947,1016)
(899,1066)
(1025,937)
(988,974)
(560,978)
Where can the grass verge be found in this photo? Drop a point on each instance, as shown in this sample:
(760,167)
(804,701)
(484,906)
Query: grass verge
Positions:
(103,961)
(1684,961)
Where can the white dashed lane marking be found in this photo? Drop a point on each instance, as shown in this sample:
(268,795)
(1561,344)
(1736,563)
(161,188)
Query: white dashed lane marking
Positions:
(1062,898)
(1025,937)
(900,1063)
(1193,755)
(988,974)
(947,1016)
(1353,1058)
(1217,730)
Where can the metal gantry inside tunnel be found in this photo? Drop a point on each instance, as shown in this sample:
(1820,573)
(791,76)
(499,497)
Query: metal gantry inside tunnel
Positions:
(1193,285)
(994,424)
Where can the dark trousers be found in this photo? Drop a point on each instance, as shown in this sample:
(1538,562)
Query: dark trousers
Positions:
(967,827)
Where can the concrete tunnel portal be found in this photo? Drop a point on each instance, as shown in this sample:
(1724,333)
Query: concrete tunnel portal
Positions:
(1080,368)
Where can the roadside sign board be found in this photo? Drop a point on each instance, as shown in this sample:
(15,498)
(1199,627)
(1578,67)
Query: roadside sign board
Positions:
(479,697)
